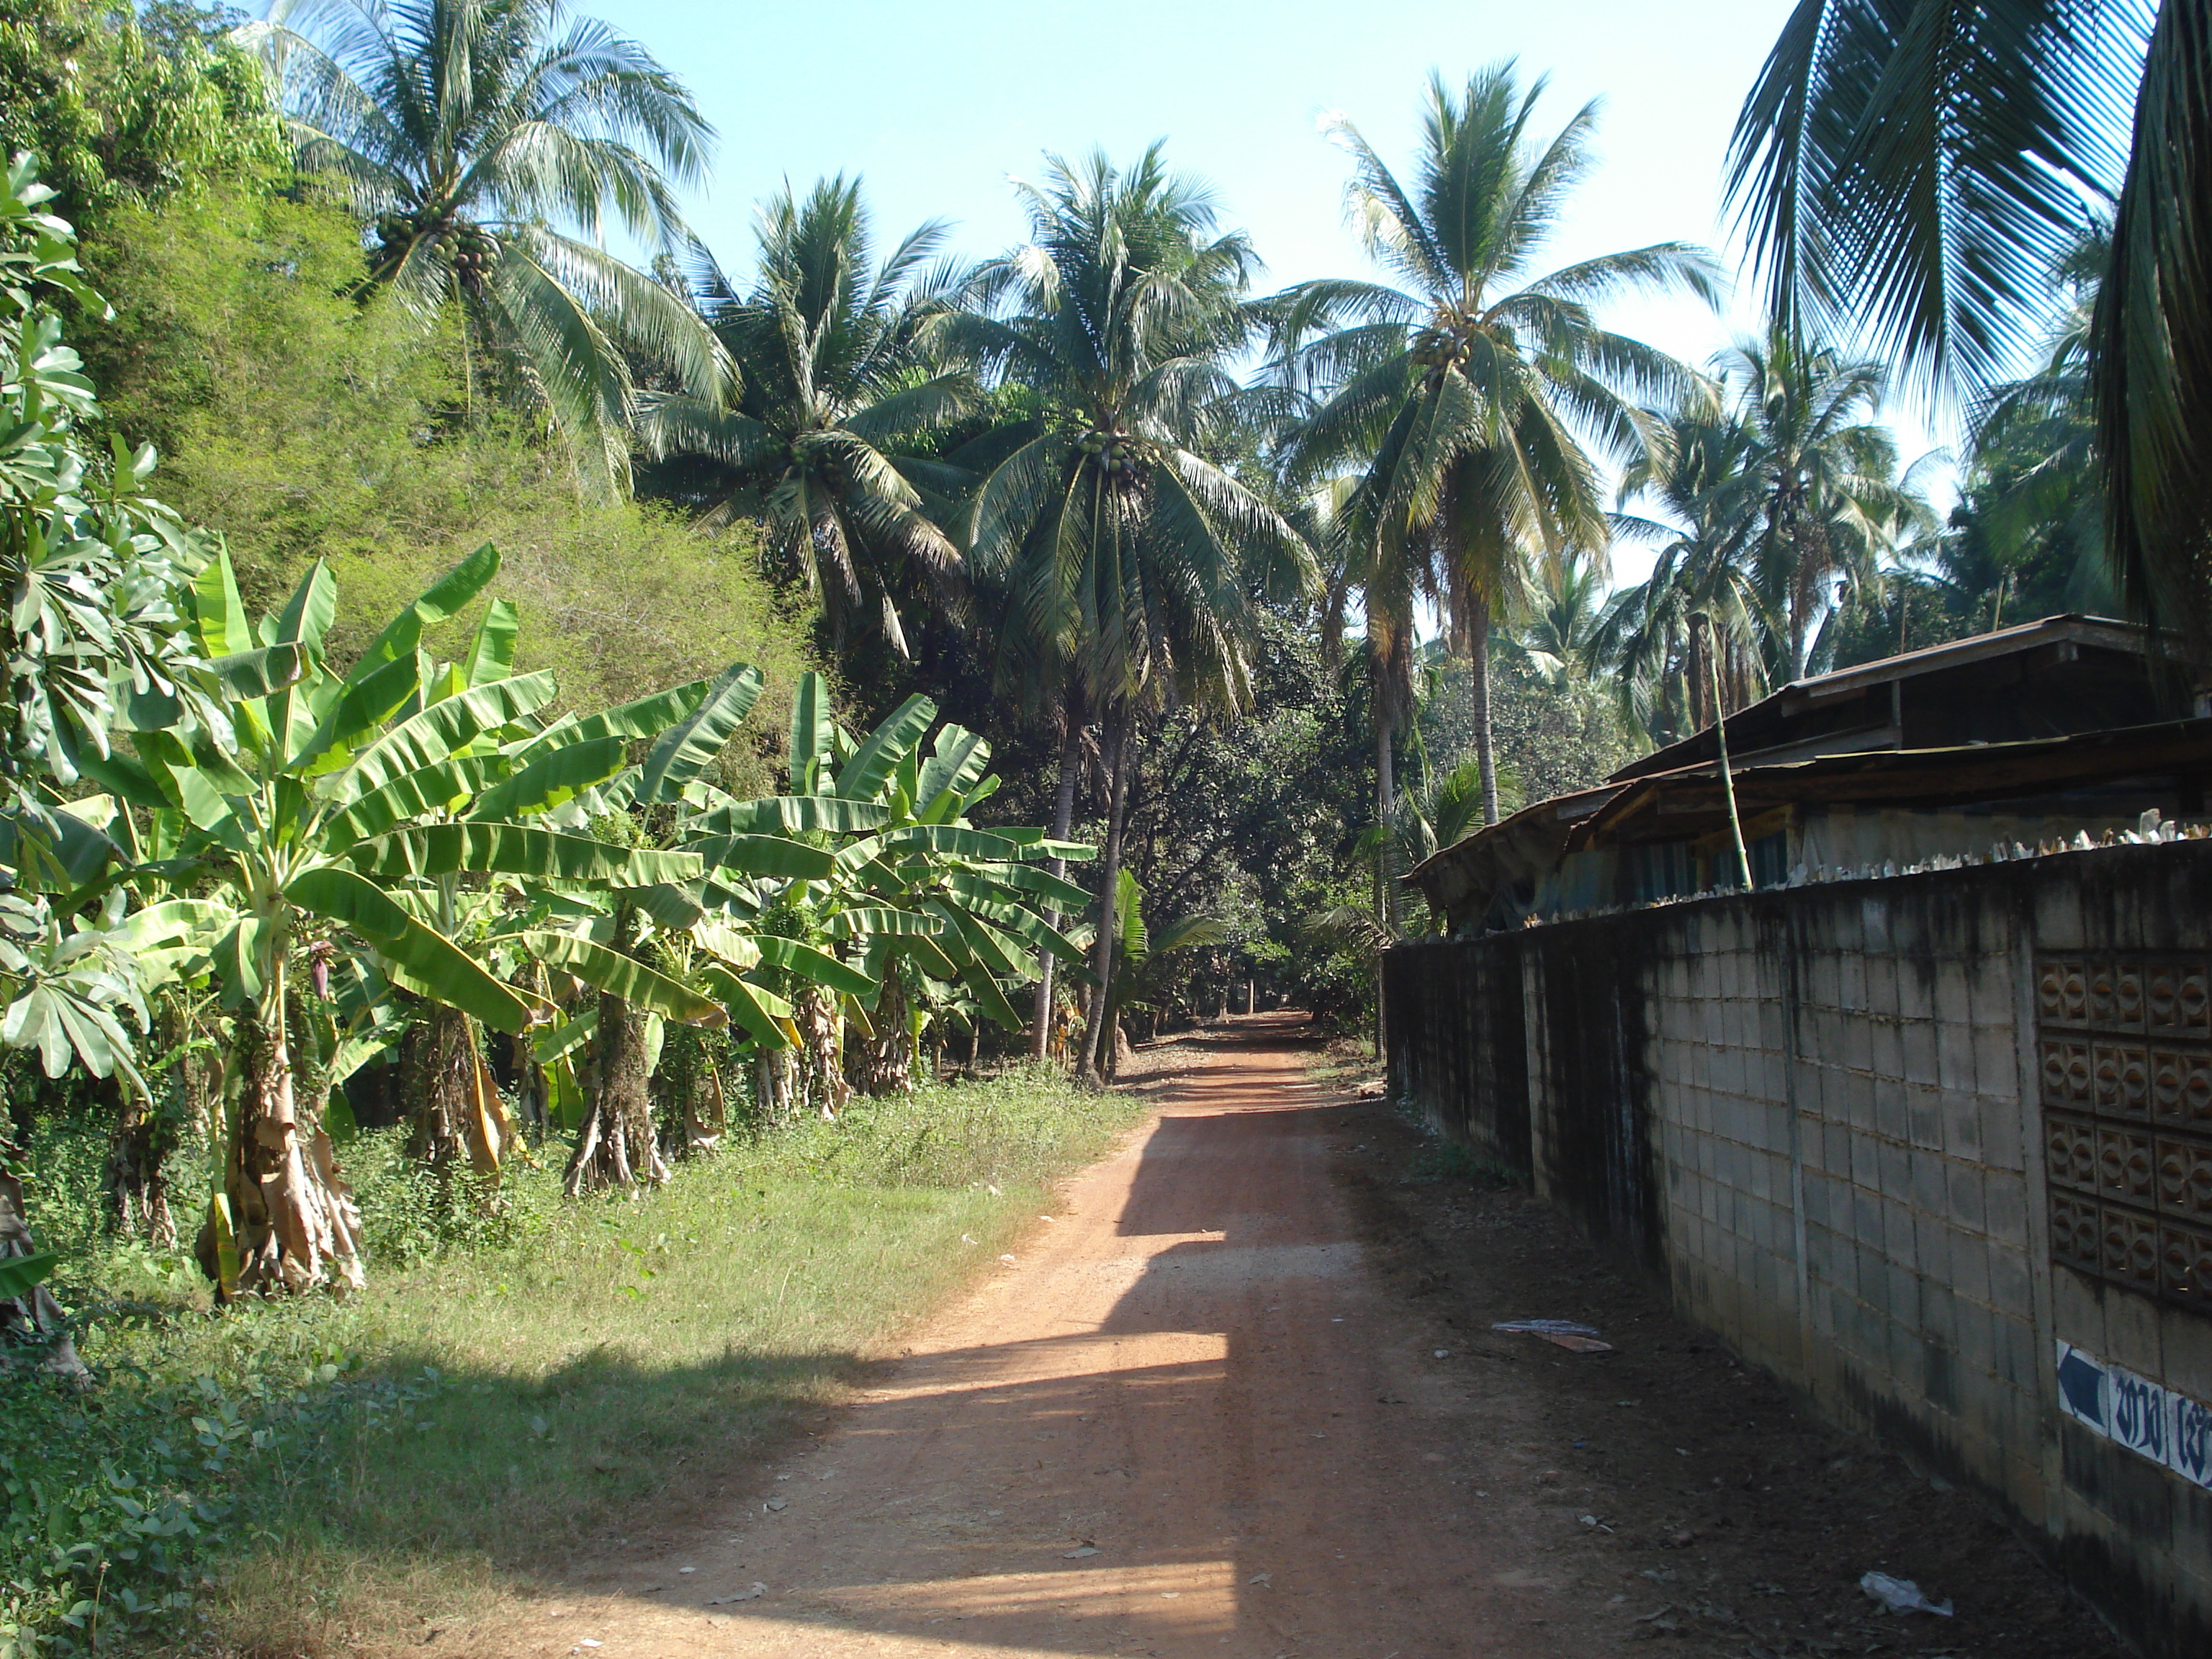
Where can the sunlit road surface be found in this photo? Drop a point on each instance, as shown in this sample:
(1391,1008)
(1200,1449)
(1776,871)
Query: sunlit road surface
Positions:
(1187,1419)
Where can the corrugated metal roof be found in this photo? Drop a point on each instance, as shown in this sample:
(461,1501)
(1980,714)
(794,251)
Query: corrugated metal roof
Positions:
(2099,633)
(1927,778)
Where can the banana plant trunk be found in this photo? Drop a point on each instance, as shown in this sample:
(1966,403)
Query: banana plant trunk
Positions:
(691,1101)
(1096,1036)
(293,1221)
(821,1066)
(1063,821)
(616,1147)
(707,1110)
(458,1118)
(146,1133)
(883,1064)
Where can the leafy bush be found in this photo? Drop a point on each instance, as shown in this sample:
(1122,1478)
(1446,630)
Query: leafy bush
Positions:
(118,1503)
(308,425)
(411,1214)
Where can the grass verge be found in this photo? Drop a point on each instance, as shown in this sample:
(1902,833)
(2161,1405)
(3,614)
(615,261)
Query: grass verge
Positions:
(339,1477)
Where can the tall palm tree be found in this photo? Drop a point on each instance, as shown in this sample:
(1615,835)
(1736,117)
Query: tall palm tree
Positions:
(2031,518)
(1391,577)
(1818,481)
(832,380)
(1468,398)
(1697,621)
(1128,561)
(1919,167)
(1554,634)
(474,136)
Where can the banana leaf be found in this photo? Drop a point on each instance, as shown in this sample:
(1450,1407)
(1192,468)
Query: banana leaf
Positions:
(690,746)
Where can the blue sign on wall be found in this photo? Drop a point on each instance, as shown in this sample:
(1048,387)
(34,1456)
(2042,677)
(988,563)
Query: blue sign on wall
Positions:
(2146,1418)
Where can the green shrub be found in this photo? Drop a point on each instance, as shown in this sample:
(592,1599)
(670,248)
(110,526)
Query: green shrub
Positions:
(411,1215)
(126,1498)
(1009,1130)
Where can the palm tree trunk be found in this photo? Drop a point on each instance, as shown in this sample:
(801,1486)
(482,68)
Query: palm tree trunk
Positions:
(1700,716)
(1386,815)
(1063,820)
(1386,824)
(1098,1034)
(1478,692)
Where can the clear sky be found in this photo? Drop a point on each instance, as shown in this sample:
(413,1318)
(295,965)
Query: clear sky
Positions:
(937,104)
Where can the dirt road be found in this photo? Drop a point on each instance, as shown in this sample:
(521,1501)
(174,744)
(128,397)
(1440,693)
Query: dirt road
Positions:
(1238,1397)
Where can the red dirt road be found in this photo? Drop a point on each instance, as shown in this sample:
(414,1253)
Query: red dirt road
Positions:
(1215,1408)
(1186,1370)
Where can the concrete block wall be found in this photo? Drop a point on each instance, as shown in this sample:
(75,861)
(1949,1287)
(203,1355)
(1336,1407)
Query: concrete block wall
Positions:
(1717,1052)
(1912,1122)
(1472,1085)
(1817,1116)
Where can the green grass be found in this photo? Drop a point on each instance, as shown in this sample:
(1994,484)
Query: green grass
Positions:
(578,1372)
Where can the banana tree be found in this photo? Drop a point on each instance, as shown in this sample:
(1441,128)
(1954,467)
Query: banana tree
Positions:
(1140,986)
(349,797)
(519,924)
(901,887)
(612,941)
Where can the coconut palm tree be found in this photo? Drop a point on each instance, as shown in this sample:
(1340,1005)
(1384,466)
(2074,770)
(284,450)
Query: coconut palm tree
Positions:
(1391,576)
(832,380)
(1553,636)
(1910,172)
(1774,492)
(1127,562)
(2029,527)
(1698,617)
(1817,484)
(1467,397)
(474,136)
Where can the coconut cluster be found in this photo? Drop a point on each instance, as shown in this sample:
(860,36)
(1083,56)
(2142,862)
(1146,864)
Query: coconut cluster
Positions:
(475,251)
(1116,450)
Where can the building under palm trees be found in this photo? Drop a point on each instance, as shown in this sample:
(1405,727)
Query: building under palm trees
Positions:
(2023,738)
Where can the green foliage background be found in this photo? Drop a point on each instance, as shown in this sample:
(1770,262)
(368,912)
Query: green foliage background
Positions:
(306,424)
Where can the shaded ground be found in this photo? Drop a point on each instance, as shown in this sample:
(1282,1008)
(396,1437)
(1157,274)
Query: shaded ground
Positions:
(1239,1396)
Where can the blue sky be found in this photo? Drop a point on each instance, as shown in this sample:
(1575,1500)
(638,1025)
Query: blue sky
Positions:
(935,106)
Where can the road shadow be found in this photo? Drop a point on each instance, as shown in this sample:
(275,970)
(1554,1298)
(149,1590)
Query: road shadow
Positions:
(1102,1503)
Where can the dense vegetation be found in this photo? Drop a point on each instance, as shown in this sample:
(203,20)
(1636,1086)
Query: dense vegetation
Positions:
(486,724)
